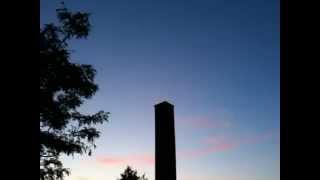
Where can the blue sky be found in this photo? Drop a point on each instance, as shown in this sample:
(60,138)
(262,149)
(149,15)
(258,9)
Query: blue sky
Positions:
(217,61)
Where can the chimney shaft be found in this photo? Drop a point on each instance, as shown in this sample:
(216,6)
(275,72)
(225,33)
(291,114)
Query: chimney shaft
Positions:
(165,142)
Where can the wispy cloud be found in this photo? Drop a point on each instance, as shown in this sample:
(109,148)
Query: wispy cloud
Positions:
(267,135)
(142,159)
(218,146)
(82,178)
(202,122)
(198,176)
(209,145)
(215,144)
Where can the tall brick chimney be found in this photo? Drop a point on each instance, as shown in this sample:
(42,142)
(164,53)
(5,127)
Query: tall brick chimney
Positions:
(165,142)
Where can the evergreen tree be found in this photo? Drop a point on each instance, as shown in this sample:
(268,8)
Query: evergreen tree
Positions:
(130,174)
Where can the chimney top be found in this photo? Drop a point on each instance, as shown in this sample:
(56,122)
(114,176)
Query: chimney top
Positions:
(164,103)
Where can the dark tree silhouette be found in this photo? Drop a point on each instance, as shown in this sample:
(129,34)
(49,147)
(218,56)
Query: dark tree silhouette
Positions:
(130,174)
(63,88)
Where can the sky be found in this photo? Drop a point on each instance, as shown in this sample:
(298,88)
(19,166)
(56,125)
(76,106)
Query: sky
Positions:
(217,61)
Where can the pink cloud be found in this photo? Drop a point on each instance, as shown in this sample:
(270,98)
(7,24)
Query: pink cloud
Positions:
(268,135)
(214,140)
(144,159)
(210,145)
(223,144)
(200,122)
(221,147)
(82,178)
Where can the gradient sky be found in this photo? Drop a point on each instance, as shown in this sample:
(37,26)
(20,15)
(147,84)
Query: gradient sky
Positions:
(217,61)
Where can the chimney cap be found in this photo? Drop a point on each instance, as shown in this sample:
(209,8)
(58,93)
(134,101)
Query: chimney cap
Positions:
(164,103)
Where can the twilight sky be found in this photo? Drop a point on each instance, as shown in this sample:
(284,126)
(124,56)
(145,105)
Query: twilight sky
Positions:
(217,61)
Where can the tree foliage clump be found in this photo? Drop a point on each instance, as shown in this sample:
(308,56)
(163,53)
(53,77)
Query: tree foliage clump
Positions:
(131,174)
(63,88)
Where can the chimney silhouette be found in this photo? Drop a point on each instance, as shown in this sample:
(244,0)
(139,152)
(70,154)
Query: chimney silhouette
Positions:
(165,142)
